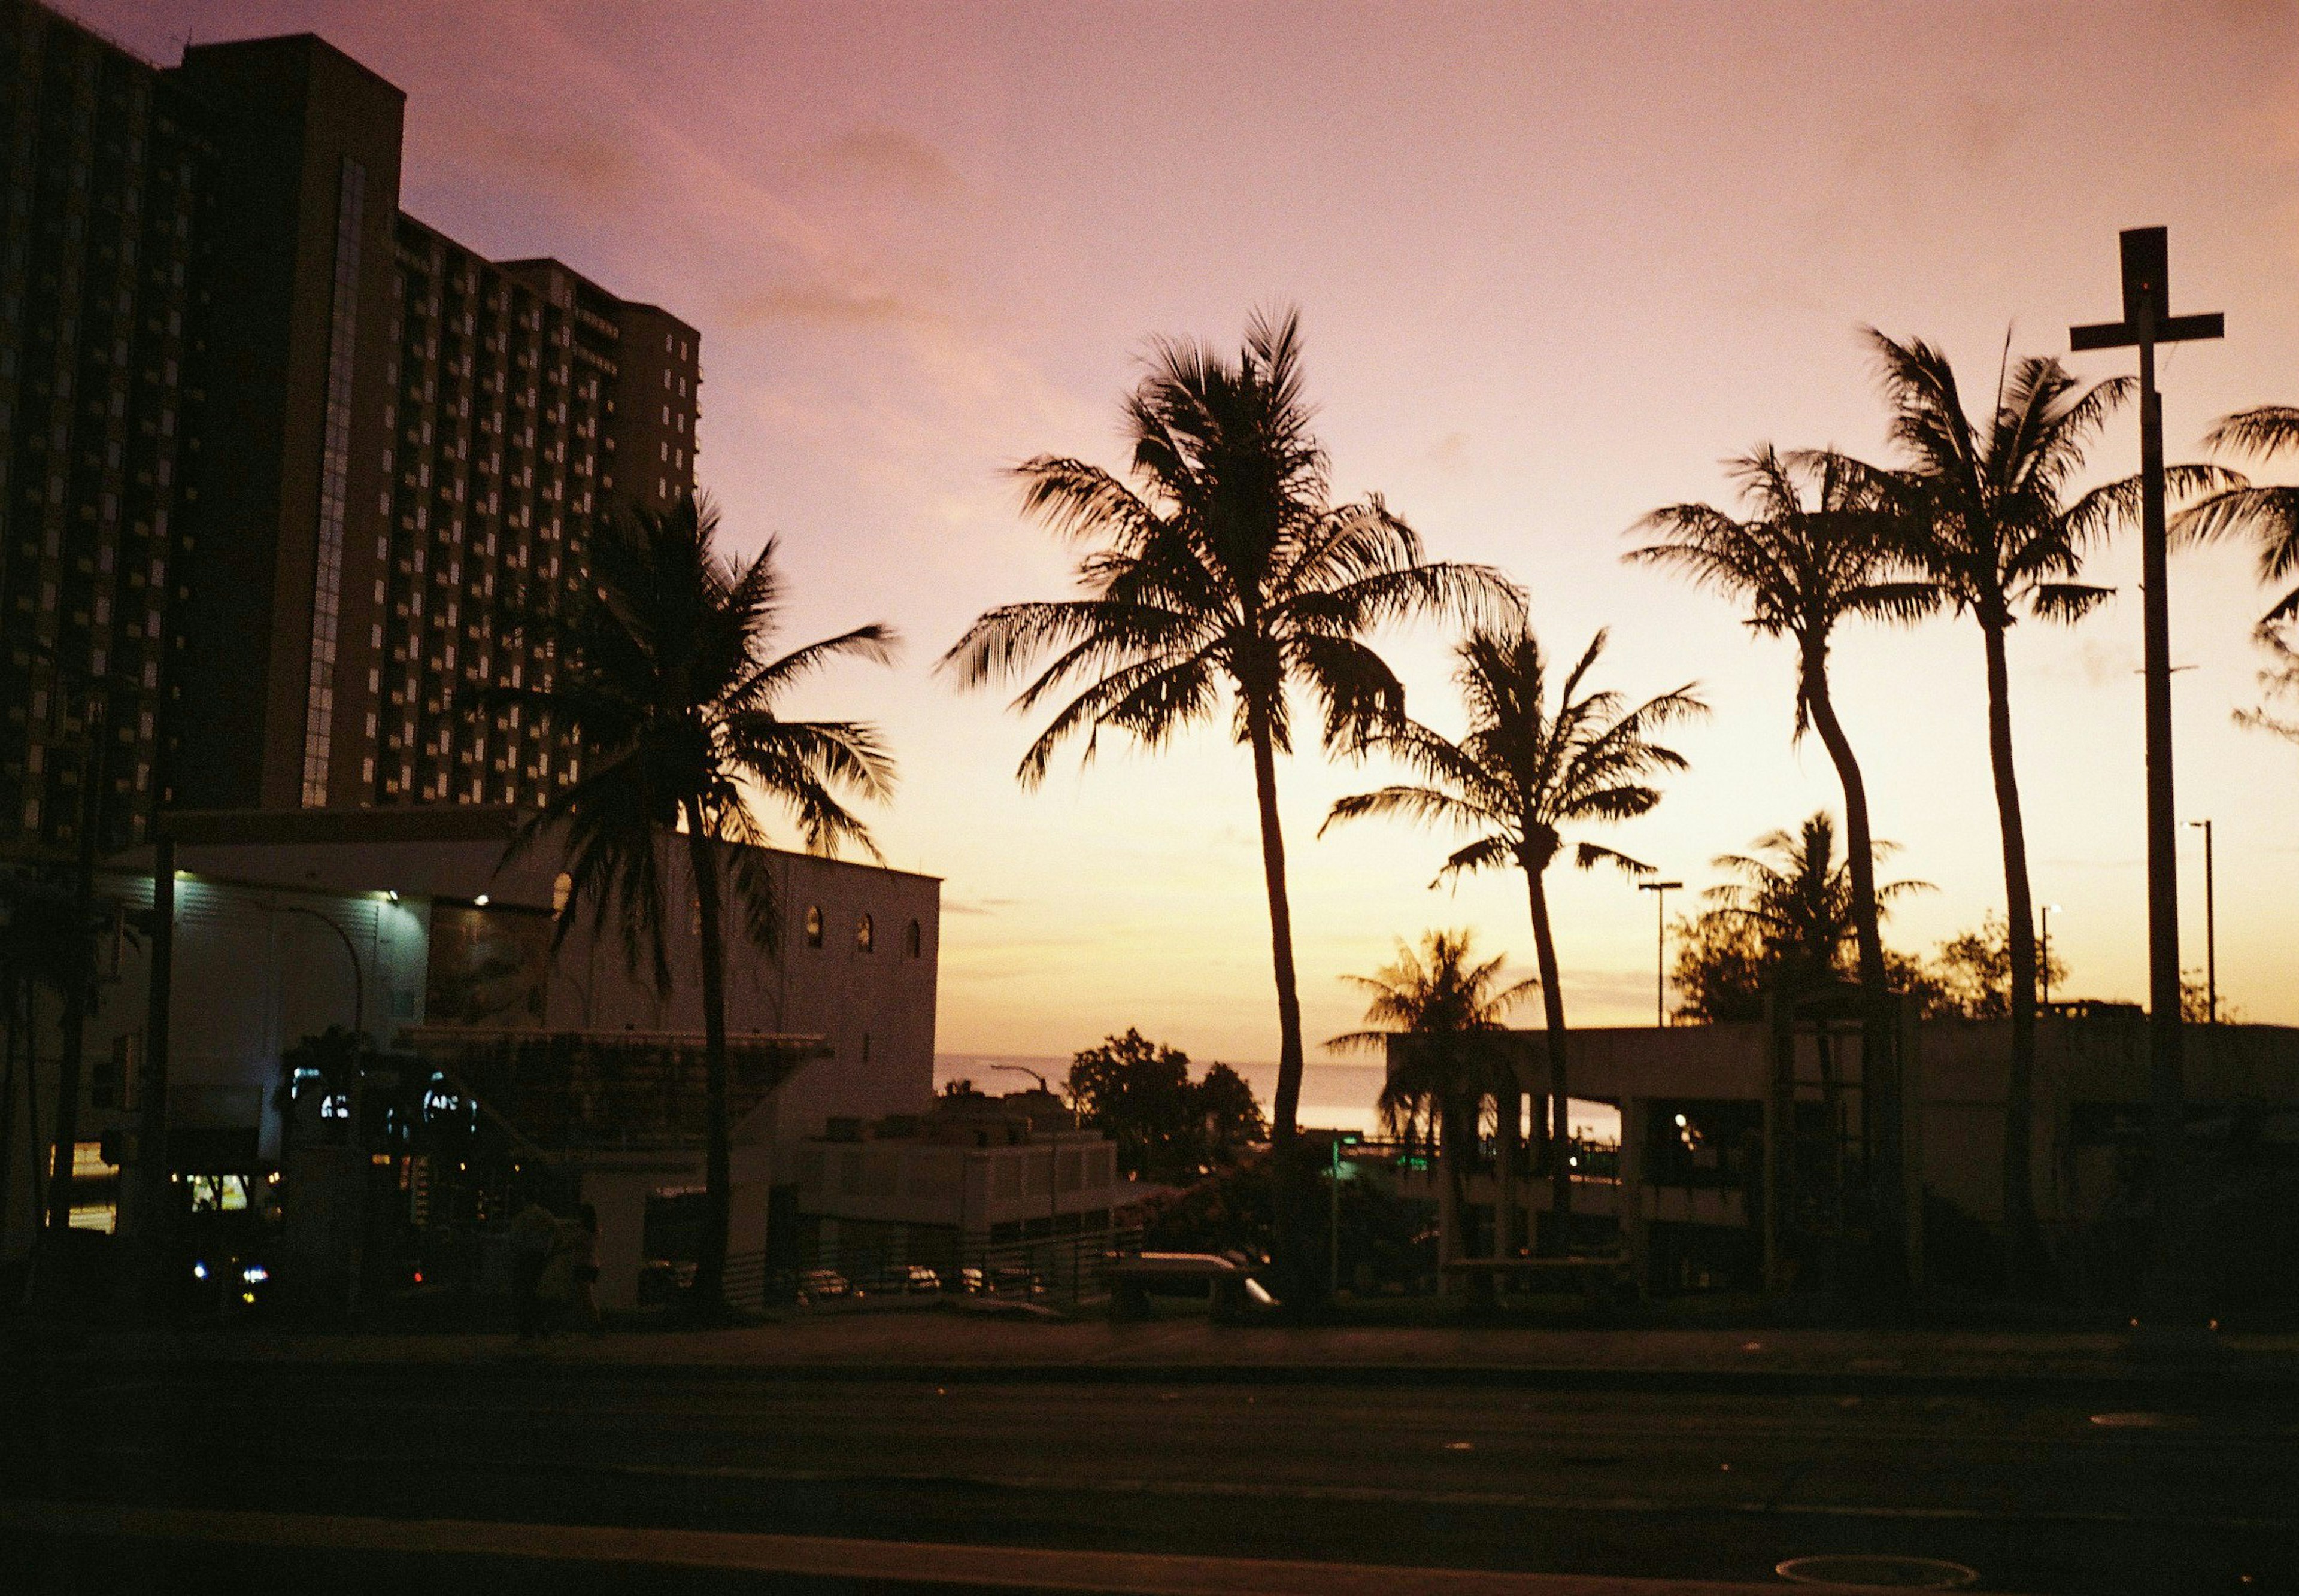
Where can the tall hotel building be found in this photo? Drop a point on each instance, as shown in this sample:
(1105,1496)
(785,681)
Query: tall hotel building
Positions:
(288,477)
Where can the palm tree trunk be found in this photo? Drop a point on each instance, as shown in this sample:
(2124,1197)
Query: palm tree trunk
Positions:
(1560,1118)
(1291,1192)
(2019,1090)
(1286,1110)
(1883,1110)
(1860,848)
(1450,1202)
(1508,1109)
(718,1176)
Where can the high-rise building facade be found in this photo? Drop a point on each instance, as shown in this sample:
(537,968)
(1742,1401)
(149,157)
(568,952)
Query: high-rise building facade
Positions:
(528,403)
(103,177)
(290,478)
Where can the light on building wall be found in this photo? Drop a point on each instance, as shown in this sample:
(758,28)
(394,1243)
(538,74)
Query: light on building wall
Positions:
(481,900)
(391,893)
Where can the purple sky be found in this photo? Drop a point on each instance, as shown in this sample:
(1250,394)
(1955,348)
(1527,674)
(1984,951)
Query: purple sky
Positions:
(1554,262)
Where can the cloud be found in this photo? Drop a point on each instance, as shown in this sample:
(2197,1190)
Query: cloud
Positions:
(1450,454)
(889,159)
(823,303)
(982,906)
(571,164)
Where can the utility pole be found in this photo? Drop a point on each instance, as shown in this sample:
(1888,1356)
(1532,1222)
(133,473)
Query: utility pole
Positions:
(1660,891)
(94,776)
(2147,321)
(2044,961)
(2211,931)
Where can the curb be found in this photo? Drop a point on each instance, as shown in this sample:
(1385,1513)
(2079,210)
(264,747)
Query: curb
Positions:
(2205,1385)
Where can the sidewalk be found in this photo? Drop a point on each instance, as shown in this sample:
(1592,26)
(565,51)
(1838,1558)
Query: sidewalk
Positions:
(961,1346)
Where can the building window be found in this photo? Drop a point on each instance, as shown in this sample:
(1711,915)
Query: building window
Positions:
(334,470)
(814,925)
(865,934)
(913,940)
(563,887)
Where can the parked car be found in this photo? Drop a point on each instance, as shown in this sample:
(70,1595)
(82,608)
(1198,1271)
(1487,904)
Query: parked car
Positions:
(1012,1280)
(824,1285)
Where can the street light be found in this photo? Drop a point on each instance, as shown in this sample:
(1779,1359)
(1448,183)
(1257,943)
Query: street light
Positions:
(2210,930)
(1660,891)
(1054,1167)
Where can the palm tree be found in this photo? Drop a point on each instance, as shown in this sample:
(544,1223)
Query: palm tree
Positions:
(2269,513)
(1798,902)
(1801,902)
(665,681)
(1224,569)
(1984,510)
(1440,1084)
(1811,554)
(1519,778)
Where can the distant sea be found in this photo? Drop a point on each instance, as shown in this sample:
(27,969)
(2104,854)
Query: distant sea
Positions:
(1333,1096)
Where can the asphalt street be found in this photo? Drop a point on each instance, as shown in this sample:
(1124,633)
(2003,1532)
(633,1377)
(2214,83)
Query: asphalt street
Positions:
(2040,1494)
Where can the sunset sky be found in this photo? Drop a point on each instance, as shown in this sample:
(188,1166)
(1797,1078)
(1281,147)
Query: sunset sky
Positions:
(1553,263)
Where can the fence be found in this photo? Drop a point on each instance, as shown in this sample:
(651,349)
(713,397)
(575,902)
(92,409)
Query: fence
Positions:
(1053,1271)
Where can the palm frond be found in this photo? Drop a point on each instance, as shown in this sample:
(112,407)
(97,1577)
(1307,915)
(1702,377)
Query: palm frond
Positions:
(2263,431)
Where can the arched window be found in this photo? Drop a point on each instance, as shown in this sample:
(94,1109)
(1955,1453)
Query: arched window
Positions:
(814,925)
(913,940)
(865,934)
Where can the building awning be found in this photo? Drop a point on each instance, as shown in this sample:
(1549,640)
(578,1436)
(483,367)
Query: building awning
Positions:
(570,1090)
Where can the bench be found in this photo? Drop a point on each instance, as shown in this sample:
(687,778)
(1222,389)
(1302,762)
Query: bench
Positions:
(1231,1285)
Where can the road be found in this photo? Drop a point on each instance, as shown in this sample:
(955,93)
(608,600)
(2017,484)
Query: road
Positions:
(2034,1493)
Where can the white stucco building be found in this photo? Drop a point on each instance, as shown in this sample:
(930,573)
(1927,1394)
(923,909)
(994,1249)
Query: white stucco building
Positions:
(410,923)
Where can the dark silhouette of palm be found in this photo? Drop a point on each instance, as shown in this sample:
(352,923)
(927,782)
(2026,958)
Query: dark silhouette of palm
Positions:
(1520,778)
(1983,510)
(1439,1083)
(1801,902)
(2269,513)
(1225,570)
(667,682)
(1814,551)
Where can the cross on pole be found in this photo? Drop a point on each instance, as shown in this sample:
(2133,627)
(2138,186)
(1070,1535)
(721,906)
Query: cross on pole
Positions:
(2147,321)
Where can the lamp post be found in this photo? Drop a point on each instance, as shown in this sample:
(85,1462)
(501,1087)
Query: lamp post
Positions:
(2044,961)
(2147,321)
(1660,891)
(359,974)
(2211,931)
(1053,1164)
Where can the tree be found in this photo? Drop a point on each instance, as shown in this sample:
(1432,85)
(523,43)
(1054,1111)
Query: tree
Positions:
(1813,551)
(1166,1126)
(2269,513)
(665,680)
(1230,1114)
(1973,972)
(1438,1085)
(1223,570)
(1983,509)
(1720,973)
(42,936)
(1521,776)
